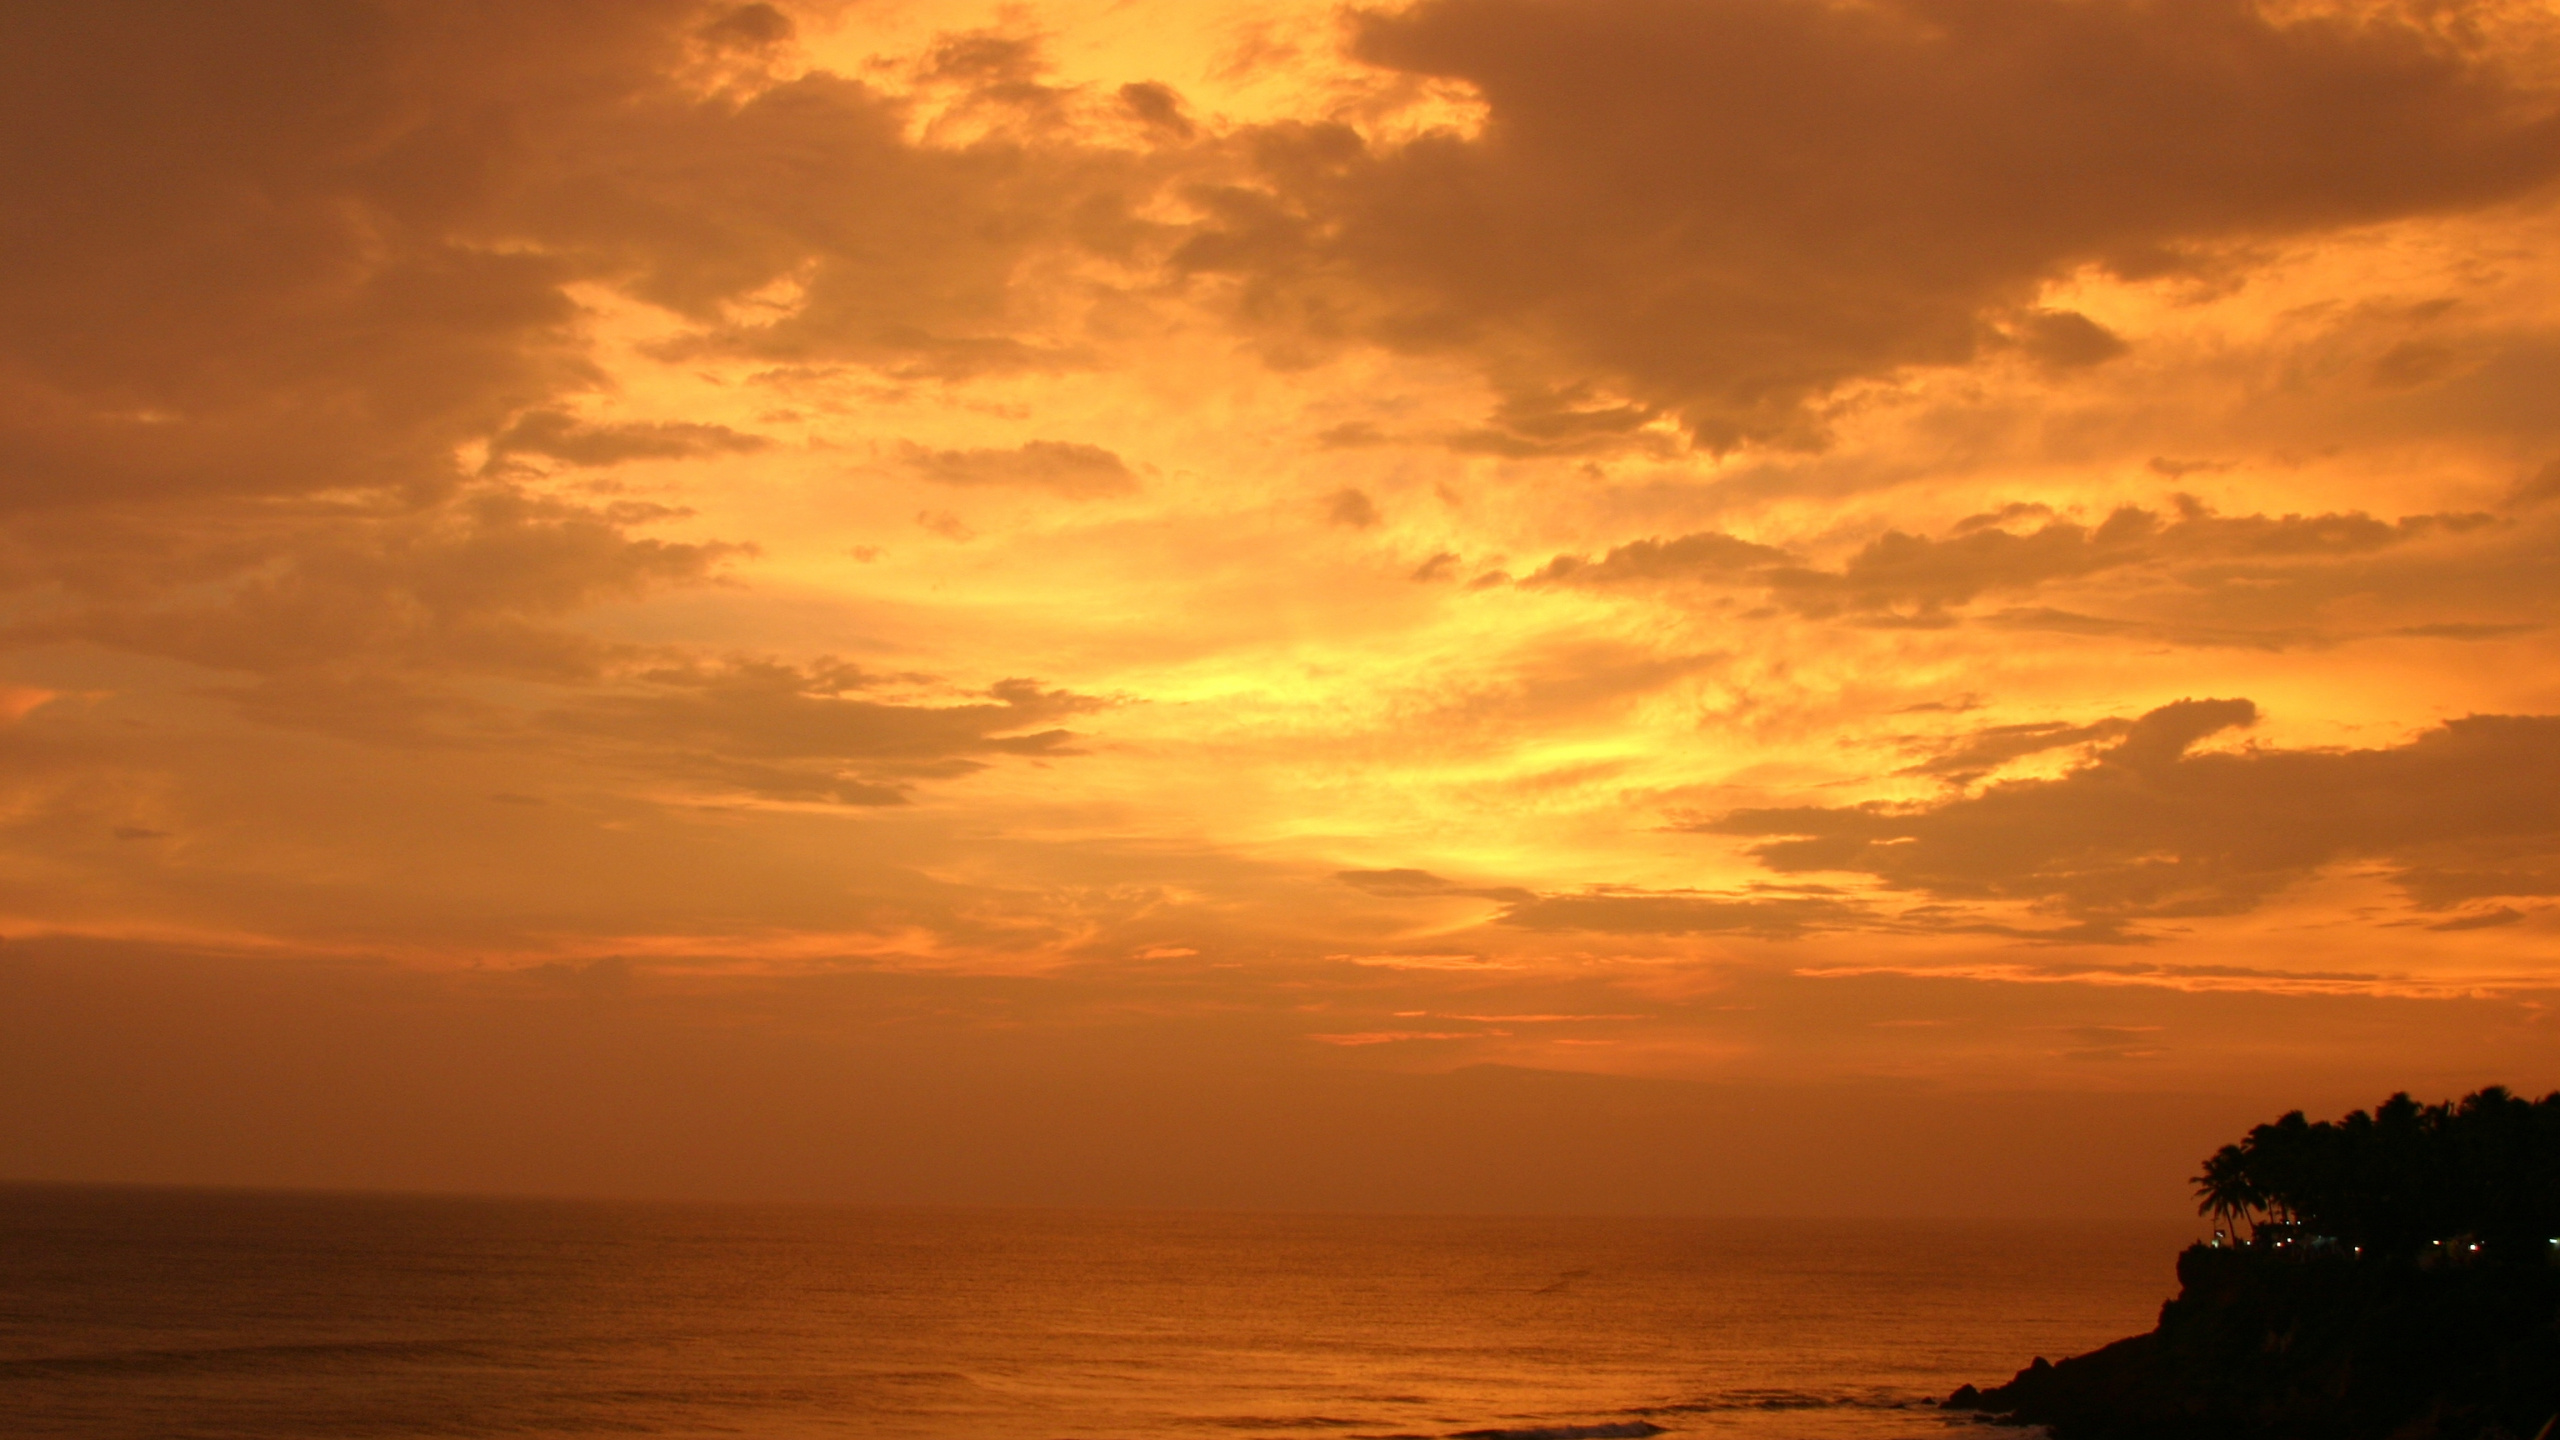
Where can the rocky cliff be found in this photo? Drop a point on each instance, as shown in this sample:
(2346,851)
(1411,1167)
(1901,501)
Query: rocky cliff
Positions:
(2265,1346)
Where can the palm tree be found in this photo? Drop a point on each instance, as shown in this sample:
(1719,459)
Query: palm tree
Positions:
(2225,1192)
(2390,1182)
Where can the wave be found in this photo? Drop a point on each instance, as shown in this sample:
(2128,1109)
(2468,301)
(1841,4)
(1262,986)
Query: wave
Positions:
(1287,1422)
(1603,1431)
(1728,1400)
(126,1362)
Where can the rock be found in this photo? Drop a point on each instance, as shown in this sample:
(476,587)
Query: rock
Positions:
(2256,1347)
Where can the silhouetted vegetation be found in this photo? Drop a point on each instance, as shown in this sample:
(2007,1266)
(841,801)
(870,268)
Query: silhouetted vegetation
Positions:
(2398,1281)
(2402,1182)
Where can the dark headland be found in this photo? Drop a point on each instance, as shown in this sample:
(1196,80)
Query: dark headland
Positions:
(2394,1275)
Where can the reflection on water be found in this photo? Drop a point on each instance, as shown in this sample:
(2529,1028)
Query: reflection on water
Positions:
(174,1313)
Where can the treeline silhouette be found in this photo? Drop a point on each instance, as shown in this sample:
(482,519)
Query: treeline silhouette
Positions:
(2479,1177)
(2358,1308)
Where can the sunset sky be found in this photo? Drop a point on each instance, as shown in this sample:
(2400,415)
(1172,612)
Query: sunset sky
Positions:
(1718,605)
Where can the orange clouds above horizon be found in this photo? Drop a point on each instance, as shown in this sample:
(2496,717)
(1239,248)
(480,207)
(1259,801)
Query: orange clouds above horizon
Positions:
(2007,544)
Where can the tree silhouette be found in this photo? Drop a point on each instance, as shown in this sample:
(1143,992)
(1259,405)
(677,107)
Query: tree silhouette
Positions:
(2224,1192)
(2403,1179)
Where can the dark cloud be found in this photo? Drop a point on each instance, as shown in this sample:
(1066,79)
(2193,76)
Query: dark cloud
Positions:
(2177,469)
(1622,911)
(1724,211)
(1158,106)
(1566,420)
(273,267)
(1353,435)
(903,256)
(748,27)
(987,56)
(562,436)
(945,524)
(1352,508)
(2542,487)
(2485,920)
(1395,883)
(1414,884)
(1079,472)
(1899,571)
(248,245)
(2457,630)
(2146,829)
(389,626)
(1970,757)
(2413,363)
(282,249)
(817,732)
(1654,912)
(1442,566)
(481,582)
(1928,578)
(1709,554)
(2067,339)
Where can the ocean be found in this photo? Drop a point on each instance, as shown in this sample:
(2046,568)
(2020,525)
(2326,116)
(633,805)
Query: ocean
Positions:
(173,1313)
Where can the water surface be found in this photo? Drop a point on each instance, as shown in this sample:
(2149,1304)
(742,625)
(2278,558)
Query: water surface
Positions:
(167,1313)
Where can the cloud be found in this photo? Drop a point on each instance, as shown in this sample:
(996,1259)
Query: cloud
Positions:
(281,266)
(2485,920)
(1972,756)
(945,524)
(2067,339)
(750,27)
(286,251)
(1725,212)
(1429,962)
(1708,554)
(1398,1037)
(817,732)
(1158,106)
(477,583)
(381,487)
(1415,884)
(1614,910)
(1903,571)
(2189,550)
(1564,420)
(453,624)
(2541,488)
(1351,508)
(1078,472)
(901,256)
(208,178)
(1395,884)
(563,436)
(1656,912)
(2147,830)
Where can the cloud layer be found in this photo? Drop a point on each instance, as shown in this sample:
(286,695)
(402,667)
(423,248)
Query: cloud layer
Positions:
(2145,829)
(1725,212)
(1674,538)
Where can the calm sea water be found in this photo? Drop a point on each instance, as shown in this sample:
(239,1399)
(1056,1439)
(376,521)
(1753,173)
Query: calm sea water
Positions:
(196,1314)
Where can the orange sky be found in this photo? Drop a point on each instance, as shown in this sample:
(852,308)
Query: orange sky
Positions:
(1665,604)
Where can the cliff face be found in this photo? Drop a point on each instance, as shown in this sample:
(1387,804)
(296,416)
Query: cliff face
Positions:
(2261,1347)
